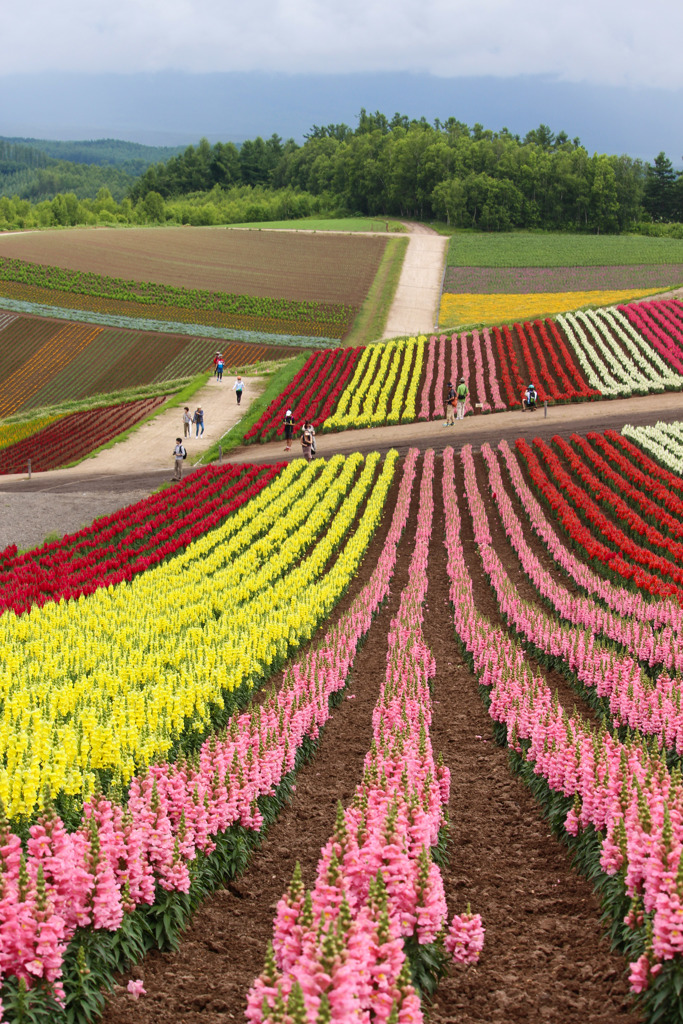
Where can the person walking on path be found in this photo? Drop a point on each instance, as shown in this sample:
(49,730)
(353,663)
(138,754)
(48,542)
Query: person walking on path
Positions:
(198,420)
(450,406)
(238,388)
(461,396)
(187,422)
(289,430)
(179,454)
(216,358)
(219,368)
(309,427)
(306,443)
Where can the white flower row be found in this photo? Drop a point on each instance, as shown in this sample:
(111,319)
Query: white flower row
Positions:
(663,441)
(643,353)
(615,357)
(595,370)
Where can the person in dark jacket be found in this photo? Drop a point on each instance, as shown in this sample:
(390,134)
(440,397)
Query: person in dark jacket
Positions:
(289,430)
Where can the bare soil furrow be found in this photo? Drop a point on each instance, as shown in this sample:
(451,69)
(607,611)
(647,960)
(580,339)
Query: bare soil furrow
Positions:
(545,958)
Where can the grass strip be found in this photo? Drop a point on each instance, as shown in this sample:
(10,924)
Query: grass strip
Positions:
(372,317)
(276,381)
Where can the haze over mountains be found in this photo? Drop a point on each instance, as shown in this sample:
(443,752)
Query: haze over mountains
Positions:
(177,108)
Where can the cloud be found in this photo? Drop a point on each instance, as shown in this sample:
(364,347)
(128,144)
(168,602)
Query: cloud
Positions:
(606,42)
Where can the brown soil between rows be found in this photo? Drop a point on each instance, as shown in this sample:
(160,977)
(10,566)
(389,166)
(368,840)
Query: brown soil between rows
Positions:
(545,956)
(223,950)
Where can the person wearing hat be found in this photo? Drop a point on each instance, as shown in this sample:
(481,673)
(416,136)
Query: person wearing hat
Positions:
(530,398)
(461,395)
(179,454)
(289,429)
(450,406)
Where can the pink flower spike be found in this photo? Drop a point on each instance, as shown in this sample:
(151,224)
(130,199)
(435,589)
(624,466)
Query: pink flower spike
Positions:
(136,988)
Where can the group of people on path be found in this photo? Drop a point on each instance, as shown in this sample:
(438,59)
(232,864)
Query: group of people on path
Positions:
(456,398)
(307,436)
(455,402)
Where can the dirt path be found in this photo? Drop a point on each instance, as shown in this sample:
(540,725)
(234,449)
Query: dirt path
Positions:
(475,430)
(545,957)
(63,500)
(415,309)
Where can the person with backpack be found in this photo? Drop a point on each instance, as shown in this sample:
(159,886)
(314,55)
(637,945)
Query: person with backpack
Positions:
(450,406)
(530,399)
(461,395)
(309,427)
(218,357)
(179,455)
(306,443)
(219,367)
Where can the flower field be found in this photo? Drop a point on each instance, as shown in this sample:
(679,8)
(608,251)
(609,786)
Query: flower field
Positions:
(309,285)
(44,362)
(633,349)
(71,437)
(526,276)
(141,765)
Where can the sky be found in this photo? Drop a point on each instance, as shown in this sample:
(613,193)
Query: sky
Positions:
(173,70)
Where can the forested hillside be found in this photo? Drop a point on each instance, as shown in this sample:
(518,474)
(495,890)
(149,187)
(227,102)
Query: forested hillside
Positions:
(39,169)
(447,171)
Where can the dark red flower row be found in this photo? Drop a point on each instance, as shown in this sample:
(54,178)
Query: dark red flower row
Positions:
(309,395)
(117,547)
(74,436)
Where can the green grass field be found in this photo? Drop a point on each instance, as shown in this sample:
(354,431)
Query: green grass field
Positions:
(315,224)
(528,249)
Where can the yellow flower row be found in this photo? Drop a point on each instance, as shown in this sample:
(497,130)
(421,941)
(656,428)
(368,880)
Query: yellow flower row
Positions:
(505,307)
(12,433)
(110,681)
(365,400)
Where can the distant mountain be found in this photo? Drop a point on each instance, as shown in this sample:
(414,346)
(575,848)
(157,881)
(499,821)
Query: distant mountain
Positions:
(39,169)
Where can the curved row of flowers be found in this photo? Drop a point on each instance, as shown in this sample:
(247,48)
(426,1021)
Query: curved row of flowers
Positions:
(613,680)
(94,688)
(615,802)
(70,892)
(664,441)
(340,951)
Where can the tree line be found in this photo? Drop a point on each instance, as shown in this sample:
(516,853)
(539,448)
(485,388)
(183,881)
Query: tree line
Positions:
(468,177)
(445,170)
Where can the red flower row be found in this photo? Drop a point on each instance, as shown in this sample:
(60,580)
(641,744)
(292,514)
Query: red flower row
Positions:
(532,374)
(621,508)
(580,389)
(74,436)
(653,469)
(307,392)
(583,537)
(643,578)
(116,548)
(644,482)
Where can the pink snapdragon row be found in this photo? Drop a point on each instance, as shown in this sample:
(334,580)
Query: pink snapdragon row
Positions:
(479,382)
(116,858)
(460,365)
(440,386)
(664,613)
(338,951)
(633,700)
(498,403)
(651,330)
(653,647)
(429,374)
(622,790)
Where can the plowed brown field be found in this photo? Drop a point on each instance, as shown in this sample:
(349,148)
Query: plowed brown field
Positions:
(273,264)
